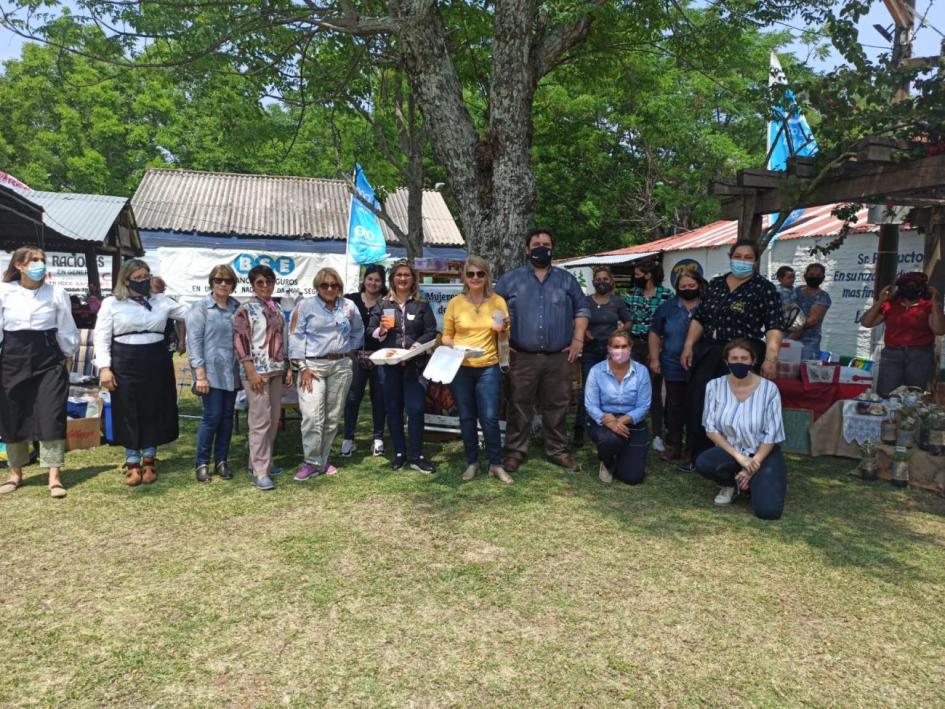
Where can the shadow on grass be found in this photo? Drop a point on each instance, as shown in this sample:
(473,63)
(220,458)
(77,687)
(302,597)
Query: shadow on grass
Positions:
(848,522)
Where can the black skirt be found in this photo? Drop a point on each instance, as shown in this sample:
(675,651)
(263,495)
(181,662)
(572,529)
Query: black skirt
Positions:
(35,386)
(144,403)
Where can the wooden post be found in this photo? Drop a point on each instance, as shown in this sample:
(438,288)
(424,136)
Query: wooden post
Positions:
(94,278)
(887,257)
(749,223)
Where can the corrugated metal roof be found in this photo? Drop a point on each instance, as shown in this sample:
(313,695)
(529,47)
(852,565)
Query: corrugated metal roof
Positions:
(86,217)
(814,222)
(269,206)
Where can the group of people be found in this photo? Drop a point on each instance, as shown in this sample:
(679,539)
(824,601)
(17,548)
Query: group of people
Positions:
(713,347)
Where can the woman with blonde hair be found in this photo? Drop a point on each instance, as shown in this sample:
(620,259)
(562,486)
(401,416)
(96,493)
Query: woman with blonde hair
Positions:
(324,332)
(216,370)
(38,339)
(135,366)
(403,319)
(474,319)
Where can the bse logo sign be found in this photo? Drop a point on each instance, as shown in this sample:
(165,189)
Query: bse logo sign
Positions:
(282,265)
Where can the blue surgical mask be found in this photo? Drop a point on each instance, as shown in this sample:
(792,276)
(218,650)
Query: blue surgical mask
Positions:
(741,268)
(739,370)
(36,270)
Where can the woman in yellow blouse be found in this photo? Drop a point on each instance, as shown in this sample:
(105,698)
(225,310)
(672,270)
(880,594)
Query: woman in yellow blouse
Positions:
(474,319)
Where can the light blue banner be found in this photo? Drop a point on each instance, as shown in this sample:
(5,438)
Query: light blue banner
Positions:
(789,135)
(365,239)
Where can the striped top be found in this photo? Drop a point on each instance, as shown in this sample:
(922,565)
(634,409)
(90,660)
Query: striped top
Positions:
(745,424)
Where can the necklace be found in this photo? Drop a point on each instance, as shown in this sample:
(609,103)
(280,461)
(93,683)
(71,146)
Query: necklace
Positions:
(474,303)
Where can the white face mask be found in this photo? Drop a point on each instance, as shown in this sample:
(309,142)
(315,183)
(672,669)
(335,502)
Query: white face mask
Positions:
(619,355)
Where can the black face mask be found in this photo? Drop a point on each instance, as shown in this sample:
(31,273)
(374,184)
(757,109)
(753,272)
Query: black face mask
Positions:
(911,292)
(739,370)
(540,256)
(639,282)
(813,281)
(603,287)
(688,293)
(140,287)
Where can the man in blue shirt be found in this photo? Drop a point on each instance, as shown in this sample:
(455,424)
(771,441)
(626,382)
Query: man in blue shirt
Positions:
(548,320)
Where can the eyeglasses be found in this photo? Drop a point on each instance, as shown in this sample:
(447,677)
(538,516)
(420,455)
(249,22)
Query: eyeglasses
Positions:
(263,282)
(224,281)
(475,274)
(329,286)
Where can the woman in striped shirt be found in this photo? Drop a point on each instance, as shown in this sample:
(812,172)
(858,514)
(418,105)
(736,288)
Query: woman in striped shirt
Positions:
(742,418)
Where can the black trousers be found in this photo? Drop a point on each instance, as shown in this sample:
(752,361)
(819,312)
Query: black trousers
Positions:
(640,349)
(625,458)
(675,411)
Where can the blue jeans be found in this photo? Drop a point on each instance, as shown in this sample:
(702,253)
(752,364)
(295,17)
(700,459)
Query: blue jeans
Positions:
(476,393)
(768,485)
(216,426)
(133,456)
(589,358)
(356,394)
(404,392)
(625,458)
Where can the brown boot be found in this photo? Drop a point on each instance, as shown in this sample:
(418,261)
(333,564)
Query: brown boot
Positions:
(671,454)
(148,471)
(133,474)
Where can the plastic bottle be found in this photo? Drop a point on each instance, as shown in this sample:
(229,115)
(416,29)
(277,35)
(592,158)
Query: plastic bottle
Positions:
(498,317)
(899,475)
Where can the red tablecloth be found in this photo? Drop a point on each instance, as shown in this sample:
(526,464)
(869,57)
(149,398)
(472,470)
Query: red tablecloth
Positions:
(816,397)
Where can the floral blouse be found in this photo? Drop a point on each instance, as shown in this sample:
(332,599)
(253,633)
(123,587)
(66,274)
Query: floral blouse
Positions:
(259,336)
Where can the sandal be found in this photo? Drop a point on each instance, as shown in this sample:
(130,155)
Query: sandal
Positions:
(10,486)
(57,491)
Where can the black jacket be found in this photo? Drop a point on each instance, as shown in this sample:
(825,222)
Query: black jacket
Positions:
(418,327)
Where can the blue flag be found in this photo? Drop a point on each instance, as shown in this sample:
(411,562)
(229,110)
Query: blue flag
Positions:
(789,134)
(365,239)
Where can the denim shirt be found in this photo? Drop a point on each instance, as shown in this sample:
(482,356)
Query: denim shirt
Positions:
(210,342)
(316,331)
(671,322)
(603,394)
(542,312)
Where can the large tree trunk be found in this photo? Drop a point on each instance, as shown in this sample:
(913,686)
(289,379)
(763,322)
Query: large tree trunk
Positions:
(490,174)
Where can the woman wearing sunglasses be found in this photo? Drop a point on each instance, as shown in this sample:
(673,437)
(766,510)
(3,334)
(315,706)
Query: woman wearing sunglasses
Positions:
(259,341)
(474,318)
(324,332)
(216,371)
(403,319)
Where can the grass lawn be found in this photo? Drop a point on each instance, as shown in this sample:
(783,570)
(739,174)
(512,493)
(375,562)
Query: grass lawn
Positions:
(384,588)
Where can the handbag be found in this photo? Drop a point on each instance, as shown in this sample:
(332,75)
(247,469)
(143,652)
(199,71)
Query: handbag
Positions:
(364,359)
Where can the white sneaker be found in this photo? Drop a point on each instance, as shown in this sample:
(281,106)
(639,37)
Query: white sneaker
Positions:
(658,444)
(378,448)
(604,475)
(725,496)
(347,447)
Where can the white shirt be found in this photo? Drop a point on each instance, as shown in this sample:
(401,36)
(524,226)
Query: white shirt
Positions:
(744,424)
(131,323)
(45,308)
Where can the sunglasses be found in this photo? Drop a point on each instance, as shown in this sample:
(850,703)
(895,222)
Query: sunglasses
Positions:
(329,286)
(224,281)
(263,282)
(475,274)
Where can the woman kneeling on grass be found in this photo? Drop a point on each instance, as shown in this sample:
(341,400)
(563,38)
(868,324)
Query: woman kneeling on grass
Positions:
(742,417)
(617,398)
